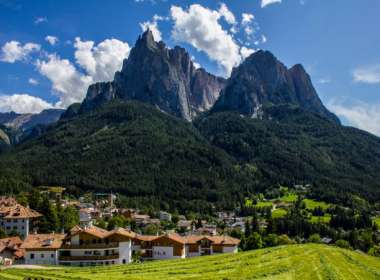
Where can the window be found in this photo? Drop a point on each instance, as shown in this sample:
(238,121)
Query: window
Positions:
(8,227)
(42,256)
(52,256)
(15,227)
(31,256)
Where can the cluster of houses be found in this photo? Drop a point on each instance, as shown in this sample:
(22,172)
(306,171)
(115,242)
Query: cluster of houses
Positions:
(87,244)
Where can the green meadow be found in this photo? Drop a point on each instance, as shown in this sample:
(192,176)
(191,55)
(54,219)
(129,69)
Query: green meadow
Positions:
(310,261)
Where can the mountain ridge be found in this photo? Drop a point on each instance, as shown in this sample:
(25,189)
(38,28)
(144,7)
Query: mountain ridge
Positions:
(166,78)
(262,81)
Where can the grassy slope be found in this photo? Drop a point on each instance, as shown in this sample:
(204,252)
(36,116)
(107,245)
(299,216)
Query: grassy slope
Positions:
(289,262)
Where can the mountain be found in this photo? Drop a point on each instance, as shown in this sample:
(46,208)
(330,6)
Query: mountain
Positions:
(262,81)
(27,121)
(4,139)
(133,136)
(165,78)
(131,148)
(296,146)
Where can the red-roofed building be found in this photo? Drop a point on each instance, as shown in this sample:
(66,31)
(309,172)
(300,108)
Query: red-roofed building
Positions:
(42,248)
(10,249)
(85,246)
(17,218)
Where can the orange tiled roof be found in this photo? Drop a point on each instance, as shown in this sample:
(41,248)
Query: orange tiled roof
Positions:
(122,231)
(224,240)
(93,230)
(146,237)
(18,212)
(43,241)
(11,241)
(192,239)
(218,240)
(7,201)
(13,244)
(175,237)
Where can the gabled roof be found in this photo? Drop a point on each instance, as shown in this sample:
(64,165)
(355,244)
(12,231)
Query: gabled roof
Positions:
(13,244)
(146,238)
(217,240)
(18,212)
(193,239)
(92,230)
(7,201)
(43,241)
(224,240)
(123,232)
(174,237)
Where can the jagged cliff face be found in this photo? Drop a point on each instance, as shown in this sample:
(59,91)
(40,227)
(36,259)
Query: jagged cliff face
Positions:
(262,81)
(26,121)
(165,78)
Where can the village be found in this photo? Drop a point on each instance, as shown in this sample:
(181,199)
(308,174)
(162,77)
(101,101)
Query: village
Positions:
(87,244)
(96,230)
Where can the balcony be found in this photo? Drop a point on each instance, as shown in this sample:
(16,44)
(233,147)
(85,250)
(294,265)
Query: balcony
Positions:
(90,246)
(88,258)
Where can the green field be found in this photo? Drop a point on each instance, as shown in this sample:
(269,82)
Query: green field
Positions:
(304,262)
(312,204)
(262,204)
(289,198)
(279,213)
(324,219)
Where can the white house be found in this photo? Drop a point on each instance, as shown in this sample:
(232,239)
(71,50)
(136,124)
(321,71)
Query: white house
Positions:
(85,246)
(42,249)
(17,218)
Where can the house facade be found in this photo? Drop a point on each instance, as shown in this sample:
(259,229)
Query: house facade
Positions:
(174,246)
(42,249)
(10,250)
(210,245)
(17,218)
(90,246)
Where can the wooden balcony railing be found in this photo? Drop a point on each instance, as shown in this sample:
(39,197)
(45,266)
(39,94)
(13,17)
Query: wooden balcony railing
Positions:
(91,246)
(88,258)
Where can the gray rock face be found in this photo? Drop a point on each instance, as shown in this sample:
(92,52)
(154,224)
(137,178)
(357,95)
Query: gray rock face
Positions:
(27,121)
(165,78)
(262,81)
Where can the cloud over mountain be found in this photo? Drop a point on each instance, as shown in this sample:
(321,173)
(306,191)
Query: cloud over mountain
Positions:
(13,51)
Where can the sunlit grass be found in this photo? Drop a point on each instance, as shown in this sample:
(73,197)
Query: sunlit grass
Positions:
(310,261)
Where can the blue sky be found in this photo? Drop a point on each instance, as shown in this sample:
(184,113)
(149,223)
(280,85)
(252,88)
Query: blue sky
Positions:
(336,40)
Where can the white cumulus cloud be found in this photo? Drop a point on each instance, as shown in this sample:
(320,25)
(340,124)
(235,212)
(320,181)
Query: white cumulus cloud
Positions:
(69,84)
(52,40)
(33,81)
(200,27)
(265,3)
(361,115)
(152,26)
(13,51)
(103,60)
(368,74)
(227,14)
(247,18)
(245,52)
(23,103)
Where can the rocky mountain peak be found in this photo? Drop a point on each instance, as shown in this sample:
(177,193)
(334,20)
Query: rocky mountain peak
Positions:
(163,77)
(262,81)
